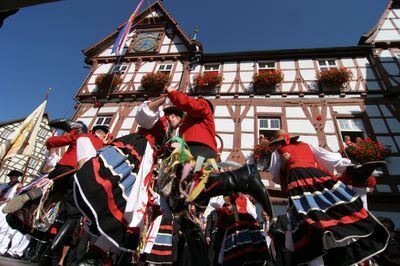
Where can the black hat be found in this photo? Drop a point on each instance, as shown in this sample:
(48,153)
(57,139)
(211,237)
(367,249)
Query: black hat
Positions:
(15,173)
(67,125)
(173,110)
(103,128)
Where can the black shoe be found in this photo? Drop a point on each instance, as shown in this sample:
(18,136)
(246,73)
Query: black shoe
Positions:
(245,180)
(360,174)
(39,250)
(6,255)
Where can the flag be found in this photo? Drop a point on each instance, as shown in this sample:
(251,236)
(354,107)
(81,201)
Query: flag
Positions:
(22,140)
(123,34)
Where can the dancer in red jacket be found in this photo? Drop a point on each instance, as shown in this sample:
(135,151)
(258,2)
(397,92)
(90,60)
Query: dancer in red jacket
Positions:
(198,130)
(327,222)
(198,126)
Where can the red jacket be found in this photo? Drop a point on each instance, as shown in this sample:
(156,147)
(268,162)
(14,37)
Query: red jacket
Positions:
(69,158)
(198,124)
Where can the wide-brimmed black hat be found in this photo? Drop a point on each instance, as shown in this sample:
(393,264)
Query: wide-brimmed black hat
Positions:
(103,128)
(173,110)
(67,125)
(15,173)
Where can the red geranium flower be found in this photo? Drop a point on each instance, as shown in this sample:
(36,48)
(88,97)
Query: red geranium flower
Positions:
(207,80)
(105,82)
(155,81)
(367,150)
(267,79)
(334,76)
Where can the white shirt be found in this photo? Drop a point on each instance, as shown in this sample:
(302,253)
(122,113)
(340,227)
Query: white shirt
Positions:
(147,118)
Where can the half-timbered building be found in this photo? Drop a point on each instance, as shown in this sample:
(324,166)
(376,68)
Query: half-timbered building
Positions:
(368,106)
(21,162)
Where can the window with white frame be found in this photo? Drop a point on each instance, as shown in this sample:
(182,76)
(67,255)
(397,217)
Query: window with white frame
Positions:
(103,120)
(351,127)
(121,69)
(266,66)
(325,64)
(42,133)
(32,163)
(212,68)
(6,133)
(268,125)
(165,68)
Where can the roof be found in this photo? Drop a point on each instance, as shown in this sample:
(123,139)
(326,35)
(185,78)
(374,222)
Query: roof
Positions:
(97,48)
(7,122)
(290,53)
(369,37)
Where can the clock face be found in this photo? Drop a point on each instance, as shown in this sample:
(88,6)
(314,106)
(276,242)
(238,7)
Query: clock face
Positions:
(145,42)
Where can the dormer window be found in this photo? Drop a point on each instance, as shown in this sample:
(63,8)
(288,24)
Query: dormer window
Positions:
(212,68)
(165,68)
(325,64)
(266,67)
(121,69)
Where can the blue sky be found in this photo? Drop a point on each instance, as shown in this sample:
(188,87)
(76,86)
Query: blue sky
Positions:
(41,45)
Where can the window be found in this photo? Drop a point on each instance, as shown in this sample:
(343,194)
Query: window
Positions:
(42,133)
(121,69)
(354,128)
(268,126)
(32,163)
(265,67)
(211,68)
(6,133)
(103,120)
(165,68)
(325,64)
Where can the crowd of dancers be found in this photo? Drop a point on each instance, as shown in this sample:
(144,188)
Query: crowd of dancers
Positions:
(160,196)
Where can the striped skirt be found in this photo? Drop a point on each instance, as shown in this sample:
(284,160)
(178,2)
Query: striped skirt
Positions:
(161,249)
(103,185)
(328,219)
(244,243)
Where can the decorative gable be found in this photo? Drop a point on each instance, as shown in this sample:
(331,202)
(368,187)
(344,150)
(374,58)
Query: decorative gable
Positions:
(153,33)
(387,29)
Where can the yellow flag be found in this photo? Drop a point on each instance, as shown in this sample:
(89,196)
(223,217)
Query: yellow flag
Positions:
(23,139)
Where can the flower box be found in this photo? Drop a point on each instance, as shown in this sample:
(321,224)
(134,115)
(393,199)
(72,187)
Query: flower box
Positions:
(155,81)
(333,80)
(266,81)
(207,82)
(106,83)
(366,150)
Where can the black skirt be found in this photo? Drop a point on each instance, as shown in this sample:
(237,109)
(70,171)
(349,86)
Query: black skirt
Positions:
(328,219)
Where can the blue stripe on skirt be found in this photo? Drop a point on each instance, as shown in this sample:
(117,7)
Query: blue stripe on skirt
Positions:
(163,240)
(244,237)
(323,201)
(119,164)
